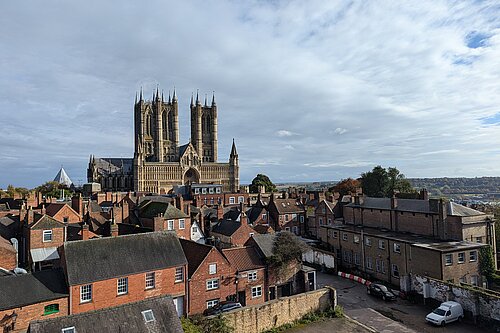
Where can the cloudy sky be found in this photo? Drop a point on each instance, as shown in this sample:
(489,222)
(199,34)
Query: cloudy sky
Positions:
(309,90)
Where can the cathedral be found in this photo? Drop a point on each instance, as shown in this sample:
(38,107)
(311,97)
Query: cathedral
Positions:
(159,162)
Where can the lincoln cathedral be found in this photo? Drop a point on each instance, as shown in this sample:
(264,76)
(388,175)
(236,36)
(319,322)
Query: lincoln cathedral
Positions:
(159,162)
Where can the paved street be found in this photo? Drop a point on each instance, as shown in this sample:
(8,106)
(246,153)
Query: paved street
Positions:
(406,317)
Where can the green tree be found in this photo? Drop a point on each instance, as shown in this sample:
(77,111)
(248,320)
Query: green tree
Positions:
(397,183)
(286,248)
(486,262)
(346,186)
(380,182)
(262,180)
(53,189)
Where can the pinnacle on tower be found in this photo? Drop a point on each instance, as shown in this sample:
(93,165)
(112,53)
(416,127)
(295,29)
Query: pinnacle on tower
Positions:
(174,98)
(157,93)
(192,104)
(169,97)
(205,99)
(213,98)
(141,95)
(135,102)
(233,149)
(197,98)
(162,99)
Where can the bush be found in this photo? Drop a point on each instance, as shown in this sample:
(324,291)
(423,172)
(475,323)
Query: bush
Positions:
(200,324)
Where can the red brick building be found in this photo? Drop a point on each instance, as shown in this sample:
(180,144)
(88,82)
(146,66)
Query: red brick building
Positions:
(250,273)
(230,233)
(111,271)
(287,214)
(210,277)
(161,216)
(7,255)
(62,212)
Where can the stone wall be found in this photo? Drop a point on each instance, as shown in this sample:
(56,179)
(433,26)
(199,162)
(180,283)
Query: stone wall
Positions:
(479,303)
(281,311)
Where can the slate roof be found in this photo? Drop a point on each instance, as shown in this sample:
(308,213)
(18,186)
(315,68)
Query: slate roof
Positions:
(124,318)
(226,227)
(26,289)
(265,242)
(14,204)
(195,254)
(459,210)
(63,178)
(263,229)
(114,165)
(8,226)
(286,206)
(243,258)
(167,210)
(253,213)
(110,257)
(45,222)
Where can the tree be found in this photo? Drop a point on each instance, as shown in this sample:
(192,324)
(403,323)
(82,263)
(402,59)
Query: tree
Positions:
(262,180)
(286,249)
(486,262)
(346,186)
(53,189)
(384,183)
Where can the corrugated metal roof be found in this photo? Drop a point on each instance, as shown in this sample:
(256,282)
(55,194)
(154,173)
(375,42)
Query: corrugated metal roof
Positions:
(44,254)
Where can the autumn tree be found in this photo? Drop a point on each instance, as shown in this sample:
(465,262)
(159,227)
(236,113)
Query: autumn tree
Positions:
(346,186)
(262,180)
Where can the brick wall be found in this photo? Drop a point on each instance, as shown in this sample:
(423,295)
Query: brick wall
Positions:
(36,238)
(7,259)
(246,286)
(28,313)
(104,293)
(278,312)
(67,212)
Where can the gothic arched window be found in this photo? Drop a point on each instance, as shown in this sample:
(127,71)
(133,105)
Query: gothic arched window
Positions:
(165,125)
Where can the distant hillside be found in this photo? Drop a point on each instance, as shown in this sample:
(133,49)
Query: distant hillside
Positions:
(460,188)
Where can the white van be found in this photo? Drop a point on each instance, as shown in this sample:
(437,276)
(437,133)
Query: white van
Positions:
(446,313)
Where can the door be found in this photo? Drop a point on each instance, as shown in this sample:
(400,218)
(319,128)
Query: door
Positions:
(179,305)
(311,279)
(272,293)
(242,299)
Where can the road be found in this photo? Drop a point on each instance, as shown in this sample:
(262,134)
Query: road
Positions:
(410,317)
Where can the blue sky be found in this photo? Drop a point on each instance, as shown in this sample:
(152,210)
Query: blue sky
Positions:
(310,90)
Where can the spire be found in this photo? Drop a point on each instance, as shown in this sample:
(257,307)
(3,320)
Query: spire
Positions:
(135,102)
(213,98)
(141,95)
(233,149)
(197,98)
(162,99)
(174,98)
(157,93)
(169,97)
(205,99)
(192,99)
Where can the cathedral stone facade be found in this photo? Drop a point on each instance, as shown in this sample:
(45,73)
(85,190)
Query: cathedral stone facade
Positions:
(159,162)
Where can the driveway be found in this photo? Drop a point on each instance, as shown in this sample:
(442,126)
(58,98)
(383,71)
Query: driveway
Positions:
(411,317)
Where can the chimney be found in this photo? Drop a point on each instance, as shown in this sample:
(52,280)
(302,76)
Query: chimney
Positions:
(243,218)
(85,231)
(30,215)
(125,211)
(22,213)
(394,202)
(77,203)
(336,195)
(180,202)
(43,211)
(188,209)
(114,230)
(158,223)
(329,197)
(424,195)
(220,212)
(284,195)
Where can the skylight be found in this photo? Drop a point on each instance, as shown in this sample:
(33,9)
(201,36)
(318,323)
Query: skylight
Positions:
(69,330)
(148,316)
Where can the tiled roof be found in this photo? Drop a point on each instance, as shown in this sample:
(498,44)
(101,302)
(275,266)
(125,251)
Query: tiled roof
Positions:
(8,226)
(263,229)
(226,227)
(53,208)
(45,222)
(265,243)
(21,290)
(243,258)
(124,318)
(7,245)
(195,254)
(109,257)
(285,206)
(167,210)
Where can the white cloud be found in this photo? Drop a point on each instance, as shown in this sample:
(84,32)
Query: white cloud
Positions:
(284,133)
(339,131)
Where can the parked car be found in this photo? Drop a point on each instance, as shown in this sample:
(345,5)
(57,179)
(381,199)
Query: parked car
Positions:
(381,291)
(446,313)
(222,307)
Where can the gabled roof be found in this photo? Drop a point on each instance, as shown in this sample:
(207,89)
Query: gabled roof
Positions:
(62,178)
(166,210)
(6,245)
(45,222)
(226,227)
(243,258)
(263,229)
(53,208)
(455,209)
(123,318)
(195,254)
(8,226)
(37,287)
(254,213)
(286,206)
(110,257)
(265,243)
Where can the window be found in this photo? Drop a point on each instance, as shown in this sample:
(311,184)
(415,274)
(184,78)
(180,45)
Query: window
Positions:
(369,263)
(320,221)
(474,280)
(170,225)
(463,279)
(66,219)
(301,219)
(479,239)
(231,200)
(148,316)
(86,293)
(381,244)
(368,241)
(329,221)
(380,265)
(212,201)
(397,247)
(196,191)
(357,260)
(150,280)
(179,274)
(212,269)
(195,228)
(356,239)
(217,190)
(122,286)
(211,303)
(47,236)
(241,199)
(295,230)
(252,276)
(472,255)
(68,330)
(256,291)
(448,259)
(212,284)
(335,234)
(182,224)
(211,190)
(461,257)
(344,236)
(50,309)
(395,270)
(286,217)
(263,216)
(204,190)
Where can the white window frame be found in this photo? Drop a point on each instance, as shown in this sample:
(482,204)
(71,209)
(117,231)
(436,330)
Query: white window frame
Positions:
(301,218)
(150,280)
(397,248)
(147,313)
(394,270)
(86,293)
(256,291)
(381,244)
(474,280)
(356,239)
(212,284)
(335,234)
(212,302)
(47,233)
(448,259)
(344,236)
(182,224)
(461,261)
(170,225)
(357,257)
(179,274)
(217,190)
(196,191)
(241,199)
(252,276)
(122,286)
(231,200)
(68,330)
(212,268)
(204,190)
(264,216)
(472,256)
(211,190)
(369,263)
(368,241)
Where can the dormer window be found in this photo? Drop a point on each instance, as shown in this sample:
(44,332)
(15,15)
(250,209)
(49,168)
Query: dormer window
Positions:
(47,236)
(148,316)
(68,330)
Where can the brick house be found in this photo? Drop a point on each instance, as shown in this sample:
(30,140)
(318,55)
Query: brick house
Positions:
(156,314)
(165,216)
(393,257)
(210,277)
(62,212)
(229,233)
(112,271)
(250,273)
(287,214)
(8,255)
(324,214)
(28,297)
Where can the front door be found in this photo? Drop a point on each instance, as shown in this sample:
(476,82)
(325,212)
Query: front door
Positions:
(179,305)
(242,299)
(311,279)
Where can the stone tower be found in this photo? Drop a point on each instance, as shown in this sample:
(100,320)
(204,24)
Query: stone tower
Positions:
(204,129)
(234,169)
(157,128)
